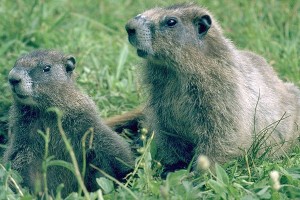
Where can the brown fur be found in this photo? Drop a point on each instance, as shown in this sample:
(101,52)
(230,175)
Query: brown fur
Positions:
(36,88)
(205,95)
(130,120)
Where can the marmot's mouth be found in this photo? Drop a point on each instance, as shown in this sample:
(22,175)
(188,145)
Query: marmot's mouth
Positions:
(21,96)
(142,53)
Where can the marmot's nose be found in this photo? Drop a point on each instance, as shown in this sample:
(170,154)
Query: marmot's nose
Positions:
(13,78)
(131,29)
(14,81)
(132,25)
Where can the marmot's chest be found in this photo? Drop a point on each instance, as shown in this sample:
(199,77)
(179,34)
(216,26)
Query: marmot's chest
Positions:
(179,114)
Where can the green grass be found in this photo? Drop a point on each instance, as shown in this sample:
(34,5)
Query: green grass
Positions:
(93,31)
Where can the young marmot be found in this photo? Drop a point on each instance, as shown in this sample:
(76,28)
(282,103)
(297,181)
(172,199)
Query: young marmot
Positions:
(44,79)
(205,95)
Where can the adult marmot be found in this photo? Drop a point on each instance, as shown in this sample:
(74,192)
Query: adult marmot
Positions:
(44,79)
(206,96)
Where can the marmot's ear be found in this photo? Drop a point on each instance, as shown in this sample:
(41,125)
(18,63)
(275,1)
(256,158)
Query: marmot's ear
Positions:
(70,64)
(203,24)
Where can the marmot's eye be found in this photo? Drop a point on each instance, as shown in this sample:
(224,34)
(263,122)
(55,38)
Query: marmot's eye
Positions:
(171,22)
(47,68)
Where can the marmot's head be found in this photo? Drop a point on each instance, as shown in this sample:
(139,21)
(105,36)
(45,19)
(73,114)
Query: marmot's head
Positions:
(42,71)
(174,33)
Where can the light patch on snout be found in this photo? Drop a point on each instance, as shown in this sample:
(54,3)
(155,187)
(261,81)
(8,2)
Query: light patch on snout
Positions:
(140,16)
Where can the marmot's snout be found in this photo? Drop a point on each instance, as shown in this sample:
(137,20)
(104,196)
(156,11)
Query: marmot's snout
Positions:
(131,31)
(132,26)
(14,78)
(139,35)
(21,84)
